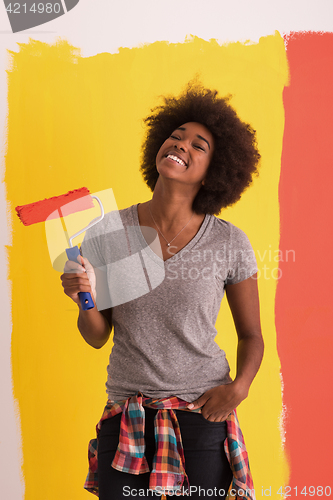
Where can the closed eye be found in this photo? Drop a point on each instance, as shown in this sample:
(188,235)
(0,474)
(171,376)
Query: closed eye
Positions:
(199,147)
(196,146)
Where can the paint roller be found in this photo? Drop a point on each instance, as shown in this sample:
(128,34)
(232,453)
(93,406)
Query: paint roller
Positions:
(61,206)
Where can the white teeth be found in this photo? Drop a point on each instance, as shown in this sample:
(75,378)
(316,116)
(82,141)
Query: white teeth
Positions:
(181,162)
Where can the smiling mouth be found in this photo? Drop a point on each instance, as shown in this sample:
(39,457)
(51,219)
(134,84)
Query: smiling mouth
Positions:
(176,159)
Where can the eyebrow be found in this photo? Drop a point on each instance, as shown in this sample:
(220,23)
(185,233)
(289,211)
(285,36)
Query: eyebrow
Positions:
(199,136)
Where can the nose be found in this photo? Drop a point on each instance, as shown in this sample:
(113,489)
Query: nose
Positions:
(181,144)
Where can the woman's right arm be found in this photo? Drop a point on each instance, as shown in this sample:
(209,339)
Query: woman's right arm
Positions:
(94,326)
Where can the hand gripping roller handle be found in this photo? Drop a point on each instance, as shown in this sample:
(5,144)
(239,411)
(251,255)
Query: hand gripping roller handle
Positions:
(73,253)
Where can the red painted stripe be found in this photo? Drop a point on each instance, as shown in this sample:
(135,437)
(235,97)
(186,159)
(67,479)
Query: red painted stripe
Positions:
(69,203)
(304,315)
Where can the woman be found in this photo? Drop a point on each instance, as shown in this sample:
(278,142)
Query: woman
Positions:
(198,157)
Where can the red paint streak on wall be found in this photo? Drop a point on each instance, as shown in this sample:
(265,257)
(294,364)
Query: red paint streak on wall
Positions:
(304,312)
(57,206)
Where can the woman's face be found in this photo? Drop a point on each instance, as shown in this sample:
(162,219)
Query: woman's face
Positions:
(186,154)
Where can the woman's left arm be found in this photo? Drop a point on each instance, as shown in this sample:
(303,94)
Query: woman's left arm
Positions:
(217,403)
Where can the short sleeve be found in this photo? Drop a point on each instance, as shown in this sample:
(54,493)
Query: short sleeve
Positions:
(242,260)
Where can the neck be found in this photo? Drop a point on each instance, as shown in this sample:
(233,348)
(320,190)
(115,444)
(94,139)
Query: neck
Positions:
(170,206)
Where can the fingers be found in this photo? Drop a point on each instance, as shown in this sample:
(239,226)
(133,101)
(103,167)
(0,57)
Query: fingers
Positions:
(197,403)
(75,280)
(90,273)
(86,264)
(216,403)
(217,411)
(211,415)
(214,417)
(73,267)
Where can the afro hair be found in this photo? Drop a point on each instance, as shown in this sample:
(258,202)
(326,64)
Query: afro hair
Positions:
(235,155)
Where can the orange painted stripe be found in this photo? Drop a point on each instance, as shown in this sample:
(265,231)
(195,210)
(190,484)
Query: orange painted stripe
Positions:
(304,315)
(39,211)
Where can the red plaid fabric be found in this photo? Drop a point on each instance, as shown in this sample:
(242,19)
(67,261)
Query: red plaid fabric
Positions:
(168,473)
(234,447)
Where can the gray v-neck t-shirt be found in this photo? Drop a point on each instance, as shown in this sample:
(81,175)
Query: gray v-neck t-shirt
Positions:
(164,313)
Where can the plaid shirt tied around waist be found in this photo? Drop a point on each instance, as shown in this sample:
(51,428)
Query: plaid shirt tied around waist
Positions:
(168,473)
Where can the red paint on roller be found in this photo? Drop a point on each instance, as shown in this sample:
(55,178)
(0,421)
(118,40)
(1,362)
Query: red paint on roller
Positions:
(69,203)
(304,314)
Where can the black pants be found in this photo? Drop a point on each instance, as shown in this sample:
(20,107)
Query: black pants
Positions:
(206,464)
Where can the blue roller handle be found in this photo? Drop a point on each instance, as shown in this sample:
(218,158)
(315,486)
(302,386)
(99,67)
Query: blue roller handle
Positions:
(85,297)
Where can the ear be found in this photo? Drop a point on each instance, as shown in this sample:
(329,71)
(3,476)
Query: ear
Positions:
(203,182)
